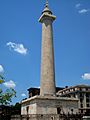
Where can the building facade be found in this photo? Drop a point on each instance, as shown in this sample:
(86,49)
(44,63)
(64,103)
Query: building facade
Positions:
(81,92)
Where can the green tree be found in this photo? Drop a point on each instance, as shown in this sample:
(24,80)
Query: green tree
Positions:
(6,96)
(16,109)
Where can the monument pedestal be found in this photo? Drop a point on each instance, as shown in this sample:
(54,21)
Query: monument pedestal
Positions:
(49,105)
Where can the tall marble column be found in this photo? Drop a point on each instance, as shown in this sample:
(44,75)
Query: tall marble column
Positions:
(47,83)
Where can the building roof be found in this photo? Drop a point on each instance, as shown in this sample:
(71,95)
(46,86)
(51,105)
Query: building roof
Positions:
(76,86)
(32,89)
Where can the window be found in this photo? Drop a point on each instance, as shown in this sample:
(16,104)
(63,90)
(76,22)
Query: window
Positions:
(58,110)
(27,108)
(72,111)
(80,89)
(86,89)
(81,111)
(88,105)
(87,100)
(87,95)
(81,100)
(81,94)
(81,105)
(52,118)
(73,95)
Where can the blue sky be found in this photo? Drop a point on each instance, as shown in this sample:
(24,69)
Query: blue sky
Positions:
(20,43)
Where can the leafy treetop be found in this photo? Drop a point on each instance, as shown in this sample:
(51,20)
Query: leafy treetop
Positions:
(6,96)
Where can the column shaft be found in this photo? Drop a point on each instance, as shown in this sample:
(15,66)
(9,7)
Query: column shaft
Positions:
(47,60)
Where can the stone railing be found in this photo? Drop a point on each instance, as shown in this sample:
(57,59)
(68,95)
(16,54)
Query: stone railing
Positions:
(47,117)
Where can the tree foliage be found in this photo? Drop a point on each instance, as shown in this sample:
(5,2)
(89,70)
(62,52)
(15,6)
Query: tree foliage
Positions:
(16,109)
(6,96)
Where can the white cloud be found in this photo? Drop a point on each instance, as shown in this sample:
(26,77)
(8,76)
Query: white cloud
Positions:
(23,95)
(86,76)
(82,11)
(78,5)
(1,69)
(9,84)
(17,48)
(37,86)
